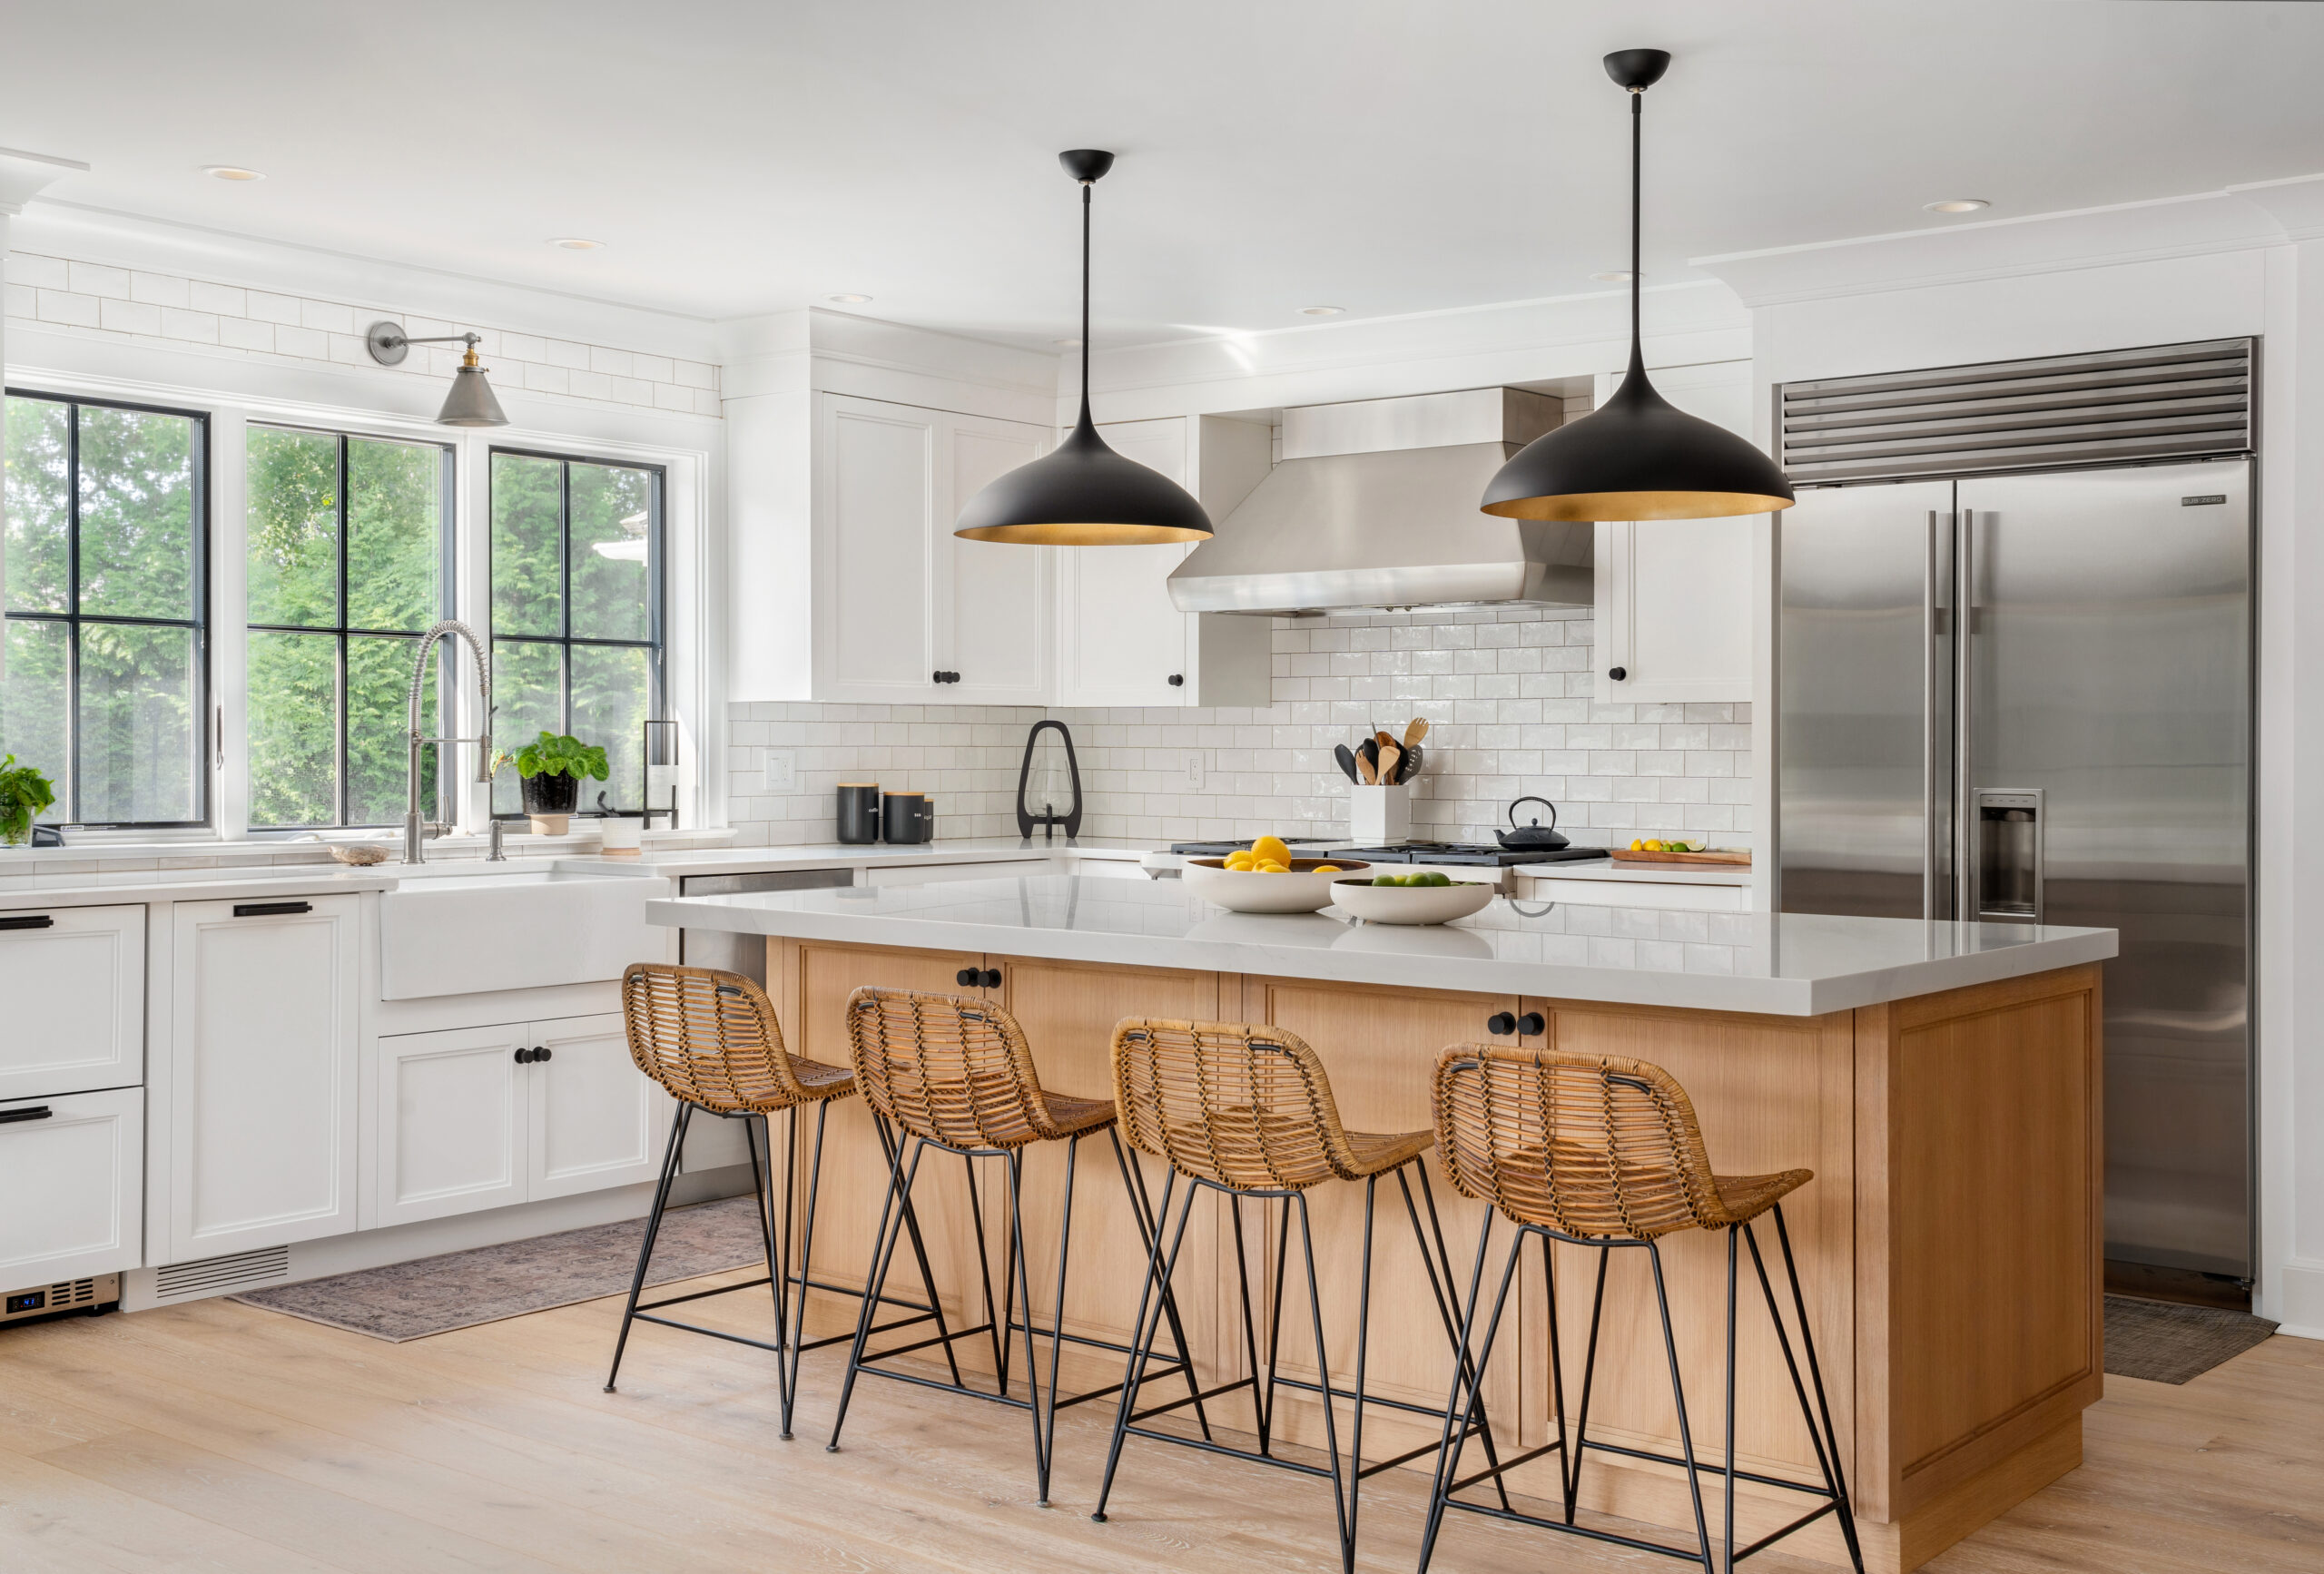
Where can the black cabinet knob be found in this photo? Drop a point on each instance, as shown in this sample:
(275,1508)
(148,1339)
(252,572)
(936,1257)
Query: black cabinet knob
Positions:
(1501,1024)
(1530,1023)
(541,1053)
(524,1058)
(991,979)
(967,978)
(1617,673)
(1177,680)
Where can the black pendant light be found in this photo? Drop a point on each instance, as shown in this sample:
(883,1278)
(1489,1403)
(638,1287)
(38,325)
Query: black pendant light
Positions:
(1083,494)
(1638,457)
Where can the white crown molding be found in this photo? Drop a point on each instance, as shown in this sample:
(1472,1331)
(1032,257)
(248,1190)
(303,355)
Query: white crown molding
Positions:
(2240,218)
(394,290)
(791,352)
(24,176)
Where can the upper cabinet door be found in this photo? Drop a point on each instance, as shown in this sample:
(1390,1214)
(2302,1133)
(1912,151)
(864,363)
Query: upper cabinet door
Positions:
(993,616)
(1674,596)
(263,1074)
(876,587)
(1120,638)
(73,979)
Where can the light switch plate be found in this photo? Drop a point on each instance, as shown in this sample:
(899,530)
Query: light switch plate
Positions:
(781,771)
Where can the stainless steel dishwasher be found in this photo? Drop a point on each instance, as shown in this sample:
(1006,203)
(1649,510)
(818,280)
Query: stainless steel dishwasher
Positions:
(739,953)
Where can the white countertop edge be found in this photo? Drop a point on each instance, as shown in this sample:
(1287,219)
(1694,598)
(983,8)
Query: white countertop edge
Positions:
(1611,986)
(1638,873)
(252,887)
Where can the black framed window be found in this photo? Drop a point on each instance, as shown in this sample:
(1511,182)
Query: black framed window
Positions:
(349,557)
(107,686)
(577,614)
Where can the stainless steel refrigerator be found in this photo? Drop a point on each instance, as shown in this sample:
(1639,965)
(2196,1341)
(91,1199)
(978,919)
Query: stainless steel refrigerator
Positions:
(2028,698)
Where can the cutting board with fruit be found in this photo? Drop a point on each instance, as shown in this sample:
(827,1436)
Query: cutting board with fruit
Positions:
(1680,849)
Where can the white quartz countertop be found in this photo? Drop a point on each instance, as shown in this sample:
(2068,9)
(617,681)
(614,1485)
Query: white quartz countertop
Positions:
(1784,964)
(132,887)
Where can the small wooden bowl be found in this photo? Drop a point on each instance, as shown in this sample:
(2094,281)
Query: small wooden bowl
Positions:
(361,855)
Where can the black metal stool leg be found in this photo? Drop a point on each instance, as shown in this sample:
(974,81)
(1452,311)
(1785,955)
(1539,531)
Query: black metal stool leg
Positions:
(1019,1287)
(795,1345)
(1679,1398)
(1159,1266)
(1149,1226)
(1826,1441)
(1442,1284)
(1727,1528)
(653,1227)
(1448,1468)
(1362,1349)
(883,1253)
(1589,1382)
(1057,1324)
(920,1253)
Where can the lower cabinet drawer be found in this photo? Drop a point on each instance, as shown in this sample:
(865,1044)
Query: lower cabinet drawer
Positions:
(72,1172)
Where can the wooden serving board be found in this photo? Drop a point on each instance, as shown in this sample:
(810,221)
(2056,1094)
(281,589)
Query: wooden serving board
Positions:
(1728,860)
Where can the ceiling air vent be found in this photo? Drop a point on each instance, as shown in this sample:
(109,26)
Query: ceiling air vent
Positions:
(2174,401)
(217,1275)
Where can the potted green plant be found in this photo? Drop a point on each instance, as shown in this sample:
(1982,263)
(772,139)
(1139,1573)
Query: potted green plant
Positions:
(552,766)
(23,793)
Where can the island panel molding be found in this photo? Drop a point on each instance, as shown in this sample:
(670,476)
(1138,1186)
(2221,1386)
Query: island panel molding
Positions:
(1948,1245)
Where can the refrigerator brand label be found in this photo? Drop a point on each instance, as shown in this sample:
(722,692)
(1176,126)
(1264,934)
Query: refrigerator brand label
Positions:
(2199,501)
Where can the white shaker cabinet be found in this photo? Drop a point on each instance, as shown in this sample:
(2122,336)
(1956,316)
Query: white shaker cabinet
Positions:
(71,1172)
(899,598)
(1121,640)
(1674,601)
(263,1074)
(71,999)
(461,1124)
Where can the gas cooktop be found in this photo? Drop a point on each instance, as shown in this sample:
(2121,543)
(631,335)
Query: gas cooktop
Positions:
(1469,852)
(1221,849)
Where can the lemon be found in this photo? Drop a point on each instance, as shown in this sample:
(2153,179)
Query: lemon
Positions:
(1636,845)
(1273,867)
(1241,860)
(1271,850)
(1326,869)
(1652,845)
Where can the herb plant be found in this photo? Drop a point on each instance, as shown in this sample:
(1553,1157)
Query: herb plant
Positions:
(25,793)
(554,754)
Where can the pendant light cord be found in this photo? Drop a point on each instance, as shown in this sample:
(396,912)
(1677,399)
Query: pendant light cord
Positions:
(1638,104)
(1086,187)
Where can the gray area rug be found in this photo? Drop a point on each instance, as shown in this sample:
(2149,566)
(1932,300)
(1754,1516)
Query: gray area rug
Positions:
(2164,1342)
(461,1289)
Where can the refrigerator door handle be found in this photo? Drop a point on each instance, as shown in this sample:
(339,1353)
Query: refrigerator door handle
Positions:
(1936,671)
(1965,625)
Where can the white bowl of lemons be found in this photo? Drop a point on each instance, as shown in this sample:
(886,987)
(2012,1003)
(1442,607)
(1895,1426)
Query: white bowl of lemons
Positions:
(1266,878)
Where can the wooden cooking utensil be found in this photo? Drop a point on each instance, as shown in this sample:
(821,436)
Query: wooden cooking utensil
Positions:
(1414,732)
(1366,771)
(1391,756)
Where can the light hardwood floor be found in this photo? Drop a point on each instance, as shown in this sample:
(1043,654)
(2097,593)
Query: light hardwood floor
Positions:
(219,1437)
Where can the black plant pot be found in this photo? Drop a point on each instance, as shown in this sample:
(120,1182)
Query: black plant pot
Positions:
(551,797)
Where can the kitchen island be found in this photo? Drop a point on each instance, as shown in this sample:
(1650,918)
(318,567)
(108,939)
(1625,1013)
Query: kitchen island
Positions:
(1941,1079)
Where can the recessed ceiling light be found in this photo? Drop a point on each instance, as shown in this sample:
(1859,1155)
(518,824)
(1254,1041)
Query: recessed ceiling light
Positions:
(1067,343)
(230,173)
(849,300)
(576,243)
(1958,205)
(1320,311)
(1613,276)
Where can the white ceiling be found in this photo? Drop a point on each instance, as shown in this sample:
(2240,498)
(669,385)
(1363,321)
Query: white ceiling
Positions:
(1387,156)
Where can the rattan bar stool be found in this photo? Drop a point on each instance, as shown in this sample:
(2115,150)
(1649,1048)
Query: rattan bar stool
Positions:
(712,1039)
(1248,1112)
(955,1074)
(1606,1152)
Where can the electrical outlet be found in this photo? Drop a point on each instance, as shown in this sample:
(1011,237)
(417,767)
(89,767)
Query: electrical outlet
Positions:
(1194,771)
(782,768)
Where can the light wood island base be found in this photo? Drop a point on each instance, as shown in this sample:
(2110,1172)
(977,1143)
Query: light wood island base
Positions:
(1949,1245)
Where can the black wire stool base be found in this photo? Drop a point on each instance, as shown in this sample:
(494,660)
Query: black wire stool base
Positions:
(1832,1495)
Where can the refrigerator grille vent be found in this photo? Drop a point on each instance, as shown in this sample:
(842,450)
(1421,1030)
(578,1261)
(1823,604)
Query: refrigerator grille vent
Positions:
(216,1276)
(2173,401)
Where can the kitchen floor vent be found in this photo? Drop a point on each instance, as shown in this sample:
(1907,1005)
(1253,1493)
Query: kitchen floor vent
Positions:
(218,1276)
(2175,401)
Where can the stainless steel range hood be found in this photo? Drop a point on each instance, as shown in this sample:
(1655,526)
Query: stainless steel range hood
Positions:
(1374,504)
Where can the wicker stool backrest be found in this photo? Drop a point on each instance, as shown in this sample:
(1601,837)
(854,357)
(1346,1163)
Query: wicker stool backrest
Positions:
(709,1037)
(1238,1105)
(1589,1144)
(951,1068)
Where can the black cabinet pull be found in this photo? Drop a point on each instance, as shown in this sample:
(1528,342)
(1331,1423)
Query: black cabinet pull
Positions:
(1501,1024)
(271,909)
(524,1058)
(1177,680)
(27,921)
(1617,673)
(1530,1023)
(38,1112)
(966,977)
(540,1054)
(991,979)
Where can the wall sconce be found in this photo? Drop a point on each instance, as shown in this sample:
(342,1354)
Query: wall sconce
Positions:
(470,403)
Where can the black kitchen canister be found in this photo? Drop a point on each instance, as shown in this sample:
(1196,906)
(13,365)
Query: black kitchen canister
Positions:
(906,817)
(859,813)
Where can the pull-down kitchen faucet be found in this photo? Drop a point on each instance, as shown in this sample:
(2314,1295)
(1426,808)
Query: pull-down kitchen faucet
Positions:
(417,830)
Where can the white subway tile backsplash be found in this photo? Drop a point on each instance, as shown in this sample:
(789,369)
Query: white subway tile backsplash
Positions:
(1613,771)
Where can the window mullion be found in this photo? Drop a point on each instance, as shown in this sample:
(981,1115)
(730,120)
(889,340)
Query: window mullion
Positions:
(73,612)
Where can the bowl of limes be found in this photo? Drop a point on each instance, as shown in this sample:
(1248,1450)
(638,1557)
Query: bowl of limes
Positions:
(1264,877)
(1427,898)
